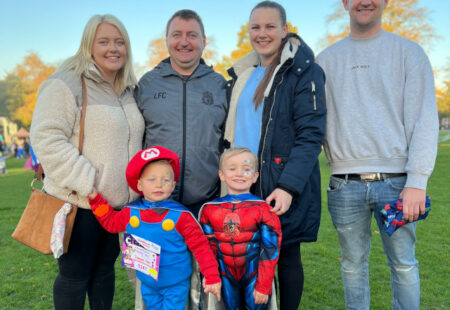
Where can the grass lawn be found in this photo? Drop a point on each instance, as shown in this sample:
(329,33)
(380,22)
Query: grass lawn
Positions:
(28,276)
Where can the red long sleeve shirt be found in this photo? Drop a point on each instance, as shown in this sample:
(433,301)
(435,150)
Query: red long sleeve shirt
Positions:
(116,221)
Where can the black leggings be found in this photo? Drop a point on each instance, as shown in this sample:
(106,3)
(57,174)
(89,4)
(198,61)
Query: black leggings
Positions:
(290,277)
(88,267)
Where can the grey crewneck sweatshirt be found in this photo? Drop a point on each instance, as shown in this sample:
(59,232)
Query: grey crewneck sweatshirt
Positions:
(382,114)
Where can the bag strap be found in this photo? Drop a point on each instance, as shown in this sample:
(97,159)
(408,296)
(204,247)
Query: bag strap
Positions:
(38,174)
(83,116)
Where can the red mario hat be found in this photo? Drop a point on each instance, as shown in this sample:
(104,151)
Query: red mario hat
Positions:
(143,157)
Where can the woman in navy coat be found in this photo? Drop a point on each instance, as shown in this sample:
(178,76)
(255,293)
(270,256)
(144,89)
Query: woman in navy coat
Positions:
(277,109)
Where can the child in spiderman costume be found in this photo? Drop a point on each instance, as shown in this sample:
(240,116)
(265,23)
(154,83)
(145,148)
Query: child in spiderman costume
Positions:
(243,233)
(164,226)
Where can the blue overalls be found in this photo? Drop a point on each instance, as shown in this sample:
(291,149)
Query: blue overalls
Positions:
(170,291)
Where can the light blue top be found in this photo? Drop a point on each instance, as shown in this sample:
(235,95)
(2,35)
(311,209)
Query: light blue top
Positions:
(248,121)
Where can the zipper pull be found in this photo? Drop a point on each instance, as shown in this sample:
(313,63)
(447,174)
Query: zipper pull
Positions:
(313,90)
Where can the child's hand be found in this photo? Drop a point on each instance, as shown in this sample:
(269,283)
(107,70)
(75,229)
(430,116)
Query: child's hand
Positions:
(260,298)
(93,194)
(212,288)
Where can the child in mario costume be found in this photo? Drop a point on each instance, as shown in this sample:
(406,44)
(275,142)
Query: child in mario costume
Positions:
(159,232)
(243,233)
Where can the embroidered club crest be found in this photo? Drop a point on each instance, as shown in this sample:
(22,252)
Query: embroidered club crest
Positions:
(207,98)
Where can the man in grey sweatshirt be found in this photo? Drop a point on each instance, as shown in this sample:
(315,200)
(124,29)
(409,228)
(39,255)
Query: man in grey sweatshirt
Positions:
(381,142)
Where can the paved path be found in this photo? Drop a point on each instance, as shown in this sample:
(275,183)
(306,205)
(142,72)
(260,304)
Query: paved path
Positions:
(444,137)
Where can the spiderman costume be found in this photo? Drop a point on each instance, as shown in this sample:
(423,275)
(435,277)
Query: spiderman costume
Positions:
(245,237)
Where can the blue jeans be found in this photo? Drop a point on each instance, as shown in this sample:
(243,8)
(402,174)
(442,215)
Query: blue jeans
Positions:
(351,204)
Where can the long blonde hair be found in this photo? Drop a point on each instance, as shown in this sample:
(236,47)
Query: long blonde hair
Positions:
(82,60)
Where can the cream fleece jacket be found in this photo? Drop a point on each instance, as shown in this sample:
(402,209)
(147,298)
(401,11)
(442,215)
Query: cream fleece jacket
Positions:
(113,134)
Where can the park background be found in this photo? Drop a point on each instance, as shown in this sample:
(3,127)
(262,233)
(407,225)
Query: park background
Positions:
(39,35)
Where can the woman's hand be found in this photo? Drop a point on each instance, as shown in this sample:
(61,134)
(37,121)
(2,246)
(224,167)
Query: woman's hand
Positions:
(282,199)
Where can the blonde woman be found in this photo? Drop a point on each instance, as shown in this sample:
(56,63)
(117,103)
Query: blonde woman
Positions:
(113,134)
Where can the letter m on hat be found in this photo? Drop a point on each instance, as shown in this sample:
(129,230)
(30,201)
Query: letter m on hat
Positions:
(150,153)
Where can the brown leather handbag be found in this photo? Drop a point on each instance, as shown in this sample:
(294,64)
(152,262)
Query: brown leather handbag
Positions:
(35,225)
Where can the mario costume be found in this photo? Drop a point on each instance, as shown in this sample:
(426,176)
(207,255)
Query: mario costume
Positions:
(164,224)
(245,237)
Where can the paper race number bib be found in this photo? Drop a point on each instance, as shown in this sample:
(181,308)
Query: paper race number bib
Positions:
(141,254)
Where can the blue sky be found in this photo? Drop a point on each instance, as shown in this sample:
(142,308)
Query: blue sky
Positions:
(53,28)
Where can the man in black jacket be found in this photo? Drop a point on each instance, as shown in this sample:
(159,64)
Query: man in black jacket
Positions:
(184,105)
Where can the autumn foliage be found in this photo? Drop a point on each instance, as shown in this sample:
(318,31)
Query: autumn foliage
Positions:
(18,90)
(21,87)
(243,48)
(32,71)
(157,51)
(403,17)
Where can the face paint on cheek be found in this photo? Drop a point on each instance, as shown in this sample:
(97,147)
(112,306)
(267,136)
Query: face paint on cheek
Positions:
(248,163)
